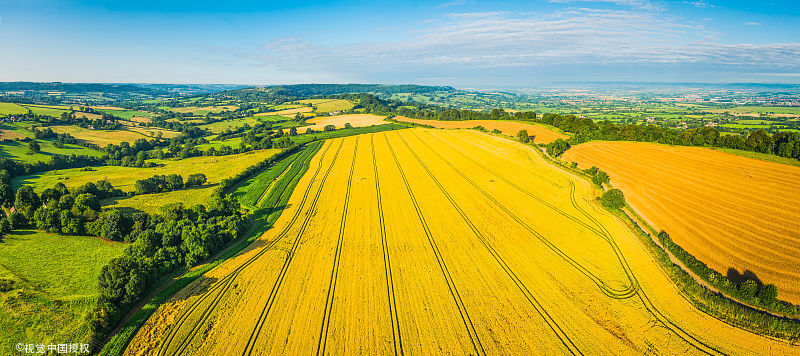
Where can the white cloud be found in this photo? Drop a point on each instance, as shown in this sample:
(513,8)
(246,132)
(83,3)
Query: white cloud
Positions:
(498,41)
(752,23)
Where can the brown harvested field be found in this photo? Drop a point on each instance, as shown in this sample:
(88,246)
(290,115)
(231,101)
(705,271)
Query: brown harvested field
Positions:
(153,131)
(141,119)
(727,210)
(287,112)
(90,116)
(440,242)
(99,137)
(540,133)
(357,120)
(10,135)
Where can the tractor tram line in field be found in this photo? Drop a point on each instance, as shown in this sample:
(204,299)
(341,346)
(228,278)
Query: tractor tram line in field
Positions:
(326,318)
(559,332)
(477,346)
(608,291)
(387,266)
(290,256)
(227,282)
(647,303)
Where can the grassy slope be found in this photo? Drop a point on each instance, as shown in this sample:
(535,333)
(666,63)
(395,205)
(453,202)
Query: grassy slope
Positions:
(11,109)
(19,151)
(153,202)
(57,281)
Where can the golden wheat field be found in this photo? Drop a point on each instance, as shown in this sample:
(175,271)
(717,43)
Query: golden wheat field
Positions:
(539,133)
(357,120)
(427,241)
(728,211)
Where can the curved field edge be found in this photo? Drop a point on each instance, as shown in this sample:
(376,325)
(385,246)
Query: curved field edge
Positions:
(729,212)
(740,315)
(262,219)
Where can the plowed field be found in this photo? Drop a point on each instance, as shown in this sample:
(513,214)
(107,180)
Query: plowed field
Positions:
(728,211)
(439,242)
(540,133)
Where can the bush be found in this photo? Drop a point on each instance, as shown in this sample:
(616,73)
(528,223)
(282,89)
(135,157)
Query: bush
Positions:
(612,199)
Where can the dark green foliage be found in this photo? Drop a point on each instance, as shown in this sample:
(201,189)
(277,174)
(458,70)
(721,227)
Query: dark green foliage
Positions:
(34,147)
(329,128)
(522,136)
(613,199)
(348,126)
(600,177)
(557,147)
(195,180)
(159,184)
(748,291)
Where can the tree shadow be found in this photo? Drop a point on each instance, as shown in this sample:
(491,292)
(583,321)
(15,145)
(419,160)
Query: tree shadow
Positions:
(739,278)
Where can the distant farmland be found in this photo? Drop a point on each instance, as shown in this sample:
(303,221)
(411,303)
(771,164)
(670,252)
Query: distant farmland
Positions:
(439,242)
(730,212)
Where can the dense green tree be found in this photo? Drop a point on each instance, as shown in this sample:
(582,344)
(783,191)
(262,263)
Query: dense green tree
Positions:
(34,147)
(613,199)
(600,177)
(760,141)
(195,180)
(557,147)
(522,136)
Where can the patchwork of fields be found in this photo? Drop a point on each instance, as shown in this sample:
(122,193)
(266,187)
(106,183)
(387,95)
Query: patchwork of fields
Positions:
(730,212)
(448,242)
(539,133)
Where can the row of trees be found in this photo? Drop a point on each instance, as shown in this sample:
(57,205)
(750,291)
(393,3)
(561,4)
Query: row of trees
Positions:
(59,210)
(166,183)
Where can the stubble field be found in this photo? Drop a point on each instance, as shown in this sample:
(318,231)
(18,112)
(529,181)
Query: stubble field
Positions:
(427,241)
(728,211)
(540,133)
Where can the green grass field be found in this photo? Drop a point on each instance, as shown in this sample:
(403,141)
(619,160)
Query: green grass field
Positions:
(126,114)
(153,202)
(19,150)
(56,283)
(214,167)
(220,126)
(11,109)
(50,110)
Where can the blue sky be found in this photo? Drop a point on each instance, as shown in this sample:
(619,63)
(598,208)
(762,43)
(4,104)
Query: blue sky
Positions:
(464,43)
